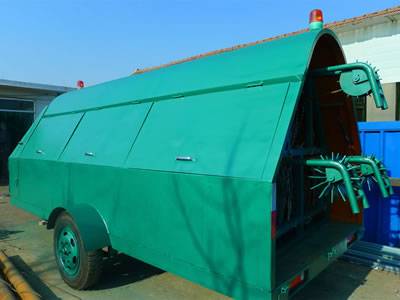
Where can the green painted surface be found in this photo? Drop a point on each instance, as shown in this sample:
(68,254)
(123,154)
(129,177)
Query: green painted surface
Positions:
(371,167)
(114,147)
(67,251)
(358,79)
(281,60)
(50,137)
(281,131)
(223,134)
(343,176)
(316,25)
(104,137)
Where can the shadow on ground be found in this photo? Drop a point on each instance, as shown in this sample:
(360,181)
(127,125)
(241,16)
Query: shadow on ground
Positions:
(123,270)
(6,234)
(338,282)
(31,277)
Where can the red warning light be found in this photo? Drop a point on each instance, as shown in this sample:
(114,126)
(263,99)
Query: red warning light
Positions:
(80,84)
(316,16)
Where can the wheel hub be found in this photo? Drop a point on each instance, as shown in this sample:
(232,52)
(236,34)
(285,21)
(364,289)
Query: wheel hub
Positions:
(68,251)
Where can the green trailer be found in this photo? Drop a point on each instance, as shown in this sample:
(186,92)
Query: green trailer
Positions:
(240,171)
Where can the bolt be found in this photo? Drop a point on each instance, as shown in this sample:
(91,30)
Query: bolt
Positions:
(356,78)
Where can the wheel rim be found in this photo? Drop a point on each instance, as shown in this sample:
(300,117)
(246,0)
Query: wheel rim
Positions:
(68,251)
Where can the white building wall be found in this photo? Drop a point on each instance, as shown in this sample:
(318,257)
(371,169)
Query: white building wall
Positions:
(374,114)
(39,106)
(378,44)
(40,103)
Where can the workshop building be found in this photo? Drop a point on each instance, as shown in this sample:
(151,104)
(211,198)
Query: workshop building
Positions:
(20,104)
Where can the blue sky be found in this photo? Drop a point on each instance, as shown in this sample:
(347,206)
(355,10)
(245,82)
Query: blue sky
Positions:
(60,41)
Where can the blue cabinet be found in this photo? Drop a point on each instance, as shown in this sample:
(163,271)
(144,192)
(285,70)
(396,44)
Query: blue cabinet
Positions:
(382,219)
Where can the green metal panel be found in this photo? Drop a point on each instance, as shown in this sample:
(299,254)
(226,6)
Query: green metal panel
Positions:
(45,144)
(280,134)
(207,218)
(217,232)
(92,227)
(14,161)
(281,60)
(20,146)
(227,133)
(34,194)
(105,136)
(50,137)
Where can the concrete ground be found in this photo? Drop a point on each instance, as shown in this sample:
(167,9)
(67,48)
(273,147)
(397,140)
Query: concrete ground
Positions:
(30,248)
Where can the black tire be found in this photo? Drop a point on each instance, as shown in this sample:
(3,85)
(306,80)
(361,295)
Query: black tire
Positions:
(87,266)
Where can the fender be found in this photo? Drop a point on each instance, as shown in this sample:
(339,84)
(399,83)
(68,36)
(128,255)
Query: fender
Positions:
(91,225)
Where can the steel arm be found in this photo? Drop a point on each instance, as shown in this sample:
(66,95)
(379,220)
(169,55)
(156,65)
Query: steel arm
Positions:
(345,176)
(379,99)
(385,188)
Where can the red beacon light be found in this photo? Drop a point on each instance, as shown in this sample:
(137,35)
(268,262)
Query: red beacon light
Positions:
(80,84)
(316,19)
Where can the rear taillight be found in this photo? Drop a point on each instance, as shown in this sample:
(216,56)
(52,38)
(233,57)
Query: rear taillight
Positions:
(351,239)
(297,281)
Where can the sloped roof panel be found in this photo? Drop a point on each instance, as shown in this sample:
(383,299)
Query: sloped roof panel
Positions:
(283,60)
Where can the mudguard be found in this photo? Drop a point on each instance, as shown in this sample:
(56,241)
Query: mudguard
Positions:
(92,226)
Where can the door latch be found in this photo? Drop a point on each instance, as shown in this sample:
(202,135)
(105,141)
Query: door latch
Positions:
(185,158)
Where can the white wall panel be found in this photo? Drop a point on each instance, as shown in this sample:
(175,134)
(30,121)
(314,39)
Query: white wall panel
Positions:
(378,44)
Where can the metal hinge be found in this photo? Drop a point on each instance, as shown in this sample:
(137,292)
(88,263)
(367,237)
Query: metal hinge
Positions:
(255,84)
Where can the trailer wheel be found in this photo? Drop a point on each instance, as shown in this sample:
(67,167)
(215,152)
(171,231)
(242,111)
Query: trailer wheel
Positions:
(79,268)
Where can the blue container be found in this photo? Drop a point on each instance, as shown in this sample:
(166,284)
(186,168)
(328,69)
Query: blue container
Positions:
(382,219)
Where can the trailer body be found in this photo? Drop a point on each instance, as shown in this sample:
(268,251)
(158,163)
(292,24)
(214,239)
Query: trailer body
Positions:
(180,167)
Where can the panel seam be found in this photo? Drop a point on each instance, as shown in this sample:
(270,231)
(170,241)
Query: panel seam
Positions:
(226,88)
(275,132)
(70,137)
(137,135)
